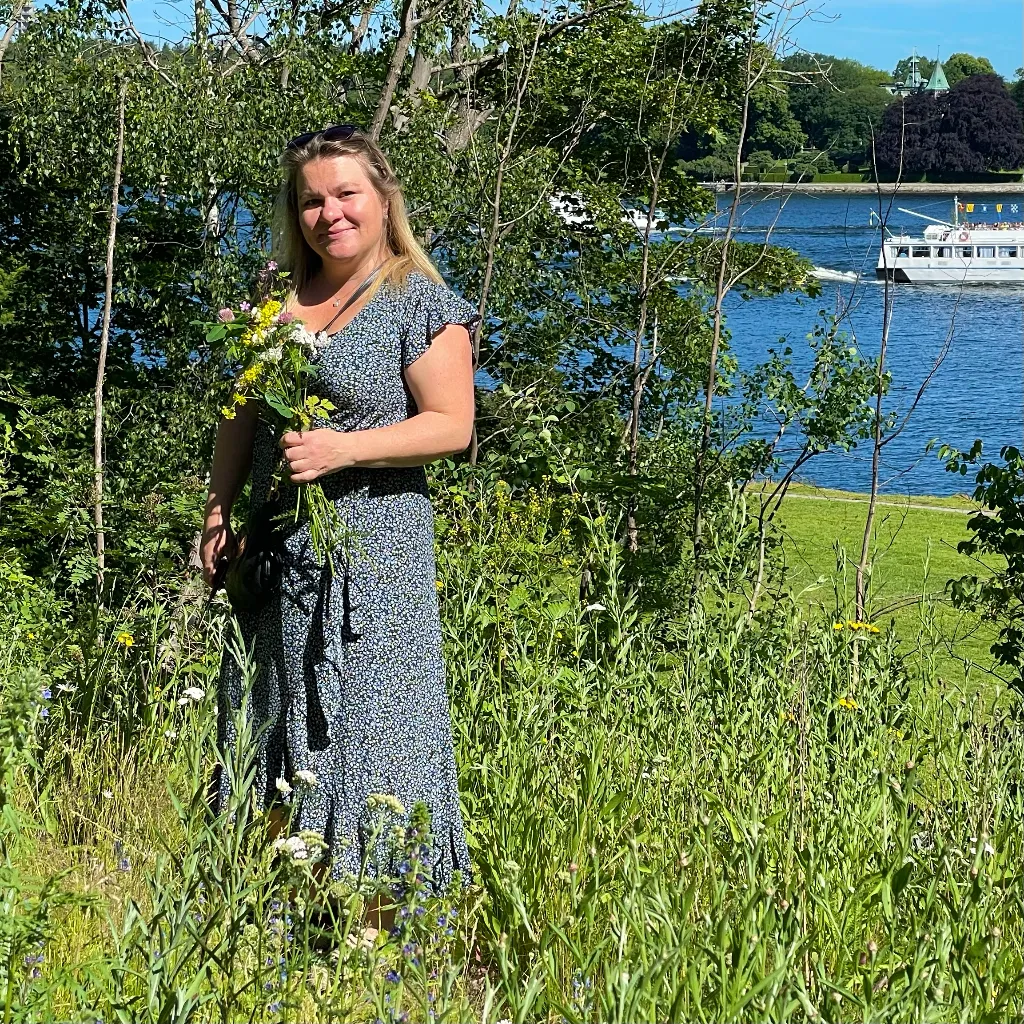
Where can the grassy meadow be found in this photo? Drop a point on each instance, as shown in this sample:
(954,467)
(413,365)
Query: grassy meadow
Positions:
(913,554)
(703,815)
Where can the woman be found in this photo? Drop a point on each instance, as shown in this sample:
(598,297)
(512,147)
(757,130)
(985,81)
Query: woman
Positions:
(349,664)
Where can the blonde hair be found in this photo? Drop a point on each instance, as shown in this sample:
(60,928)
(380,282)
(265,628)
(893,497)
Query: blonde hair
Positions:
(291,250)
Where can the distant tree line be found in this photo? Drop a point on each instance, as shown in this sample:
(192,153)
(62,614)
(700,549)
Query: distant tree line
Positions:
(819,113)
(973,128)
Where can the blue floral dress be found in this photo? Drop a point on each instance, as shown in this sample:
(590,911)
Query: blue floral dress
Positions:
(350,676)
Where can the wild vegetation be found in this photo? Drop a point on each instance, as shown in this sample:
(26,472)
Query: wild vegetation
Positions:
(821,113)
(689,796)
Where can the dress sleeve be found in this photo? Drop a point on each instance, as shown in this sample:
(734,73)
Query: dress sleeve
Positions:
(432,307)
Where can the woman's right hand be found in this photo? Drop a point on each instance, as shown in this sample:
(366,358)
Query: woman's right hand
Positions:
(218,543)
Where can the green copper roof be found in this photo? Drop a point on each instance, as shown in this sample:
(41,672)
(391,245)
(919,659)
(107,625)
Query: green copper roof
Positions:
(937,83)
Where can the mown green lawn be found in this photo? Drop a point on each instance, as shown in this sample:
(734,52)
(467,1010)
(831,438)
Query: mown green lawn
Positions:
(914,554)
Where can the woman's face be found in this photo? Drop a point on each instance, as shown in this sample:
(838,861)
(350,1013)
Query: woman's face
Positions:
(341,215)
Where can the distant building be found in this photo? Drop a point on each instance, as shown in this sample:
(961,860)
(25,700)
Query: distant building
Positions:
(915,82)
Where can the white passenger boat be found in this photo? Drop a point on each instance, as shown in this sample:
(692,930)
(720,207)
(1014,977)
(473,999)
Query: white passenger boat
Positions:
(961,252)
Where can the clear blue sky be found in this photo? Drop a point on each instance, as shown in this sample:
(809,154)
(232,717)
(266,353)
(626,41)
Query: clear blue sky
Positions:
(881,32)
(875,32)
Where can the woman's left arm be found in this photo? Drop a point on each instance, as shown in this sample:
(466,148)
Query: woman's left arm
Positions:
(440,381)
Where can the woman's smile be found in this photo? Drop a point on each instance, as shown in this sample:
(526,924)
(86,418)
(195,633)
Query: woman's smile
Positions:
(340,213)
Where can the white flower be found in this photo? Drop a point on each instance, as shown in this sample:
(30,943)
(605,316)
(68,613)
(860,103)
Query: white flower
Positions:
(107,794)
(306,777)
(306,339)
(283,787)
(64,688)
(195,693)
(987,848)
(272,355)
(182,701)
(170,734)
(294,846)
(595,607)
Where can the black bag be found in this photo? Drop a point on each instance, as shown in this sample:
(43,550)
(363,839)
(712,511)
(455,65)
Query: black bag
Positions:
(254,574)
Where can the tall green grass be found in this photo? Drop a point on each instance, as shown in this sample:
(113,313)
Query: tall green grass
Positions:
(703,815)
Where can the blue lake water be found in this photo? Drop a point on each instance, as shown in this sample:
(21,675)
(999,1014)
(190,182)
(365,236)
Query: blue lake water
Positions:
(978,391)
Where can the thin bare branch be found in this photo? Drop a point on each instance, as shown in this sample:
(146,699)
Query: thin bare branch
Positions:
(101,362)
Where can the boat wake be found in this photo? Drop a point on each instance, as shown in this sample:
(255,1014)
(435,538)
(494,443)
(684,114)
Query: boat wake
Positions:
(827,274)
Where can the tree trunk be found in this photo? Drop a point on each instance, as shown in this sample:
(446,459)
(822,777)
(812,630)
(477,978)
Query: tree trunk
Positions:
(17,8)
(876,448)
(101,363)
(704,444)
(402,44)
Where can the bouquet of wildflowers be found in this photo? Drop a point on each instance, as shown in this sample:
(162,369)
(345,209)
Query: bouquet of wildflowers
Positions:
(268,350)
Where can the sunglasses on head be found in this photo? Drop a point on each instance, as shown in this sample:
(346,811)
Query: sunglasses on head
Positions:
(335,133)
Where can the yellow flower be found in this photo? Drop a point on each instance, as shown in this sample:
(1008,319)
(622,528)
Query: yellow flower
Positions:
(439,584)
(124,638)
(268,311)
(848,703)
(837,625)
(250,376)
(30,635)
(228,412)
(239,399)
(866,626)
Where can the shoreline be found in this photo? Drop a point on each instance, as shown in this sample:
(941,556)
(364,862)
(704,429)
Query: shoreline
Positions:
(960,502)
(871,188)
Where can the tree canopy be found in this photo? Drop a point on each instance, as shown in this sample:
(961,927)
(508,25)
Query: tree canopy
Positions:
(496,126)
(962,65)
(975,127)
(839,103)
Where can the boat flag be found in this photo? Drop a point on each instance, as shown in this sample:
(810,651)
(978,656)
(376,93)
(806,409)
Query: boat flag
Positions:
(1013,208)
(970,207)
(984,209)
(960,207)
(999,207)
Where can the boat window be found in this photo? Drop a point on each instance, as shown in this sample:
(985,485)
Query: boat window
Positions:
(1008,252)
(966,251)
(903,250)
(944,252)
(922,250)
(986,252)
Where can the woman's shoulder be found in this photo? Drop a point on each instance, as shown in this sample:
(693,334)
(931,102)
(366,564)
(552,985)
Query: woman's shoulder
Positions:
(418,285)
(427,306)
(419,293)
